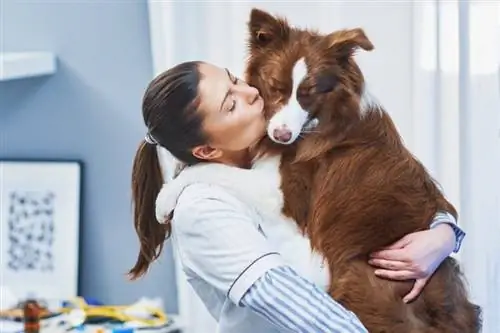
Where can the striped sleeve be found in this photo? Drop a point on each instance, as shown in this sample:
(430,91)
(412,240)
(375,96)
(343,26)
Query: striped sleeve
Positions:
(445,217)
(297,305)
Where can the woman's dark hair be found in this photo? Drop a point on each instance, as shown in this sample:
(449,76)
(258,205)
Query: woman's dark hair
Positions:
(170,113)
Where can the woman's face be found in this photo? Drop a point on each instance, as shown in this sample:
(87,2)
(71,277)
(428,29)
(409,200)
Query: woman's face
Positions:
(233,111)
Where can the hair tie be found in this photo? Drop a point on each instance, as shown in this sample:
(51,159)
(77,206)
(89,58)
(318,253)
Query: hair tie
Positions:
(149,139)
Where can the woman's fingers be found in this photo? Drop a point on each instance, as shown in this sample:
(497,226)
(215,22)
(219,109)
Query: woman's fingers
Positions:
(396,254)
(401,243)
(395,275)
(394,265)
(416,290)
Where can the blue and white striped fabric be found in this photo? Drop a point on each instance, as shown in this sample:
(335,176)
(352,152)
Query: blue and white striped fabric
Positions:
(296,305)
(445,217)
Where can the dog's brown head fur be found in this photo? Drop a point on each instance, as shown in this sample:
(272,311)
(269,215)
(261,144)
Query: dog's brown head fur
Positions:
(333,79)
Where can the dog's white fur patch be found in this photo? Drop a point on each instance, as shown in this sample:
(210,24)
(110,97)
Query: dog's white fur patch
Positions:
(292,115)
(299,72)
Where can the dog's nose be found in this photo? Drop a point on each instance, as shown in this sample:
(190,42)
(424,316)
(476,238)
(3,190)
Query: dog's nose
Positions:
(282,134)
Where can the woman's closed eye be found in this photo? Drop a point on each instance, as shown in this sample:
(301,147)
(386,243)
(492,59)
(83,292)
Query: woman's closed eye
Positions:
(234,80)
(232,105)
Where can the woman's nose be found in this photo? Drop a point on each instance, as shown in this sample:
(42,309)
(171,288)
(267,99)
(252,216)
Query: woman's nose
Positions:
(250,94)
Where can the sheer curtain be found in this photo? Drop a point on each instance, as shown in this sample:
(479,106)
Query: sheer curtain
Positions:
(435,68)
(457,128)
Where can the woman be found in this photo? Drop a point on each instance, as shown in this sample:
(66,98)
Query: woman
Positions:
(200,112)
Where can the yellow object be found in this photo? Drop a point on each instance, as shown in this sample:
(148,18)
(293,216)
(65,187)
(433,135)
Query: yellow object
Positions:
(156,317)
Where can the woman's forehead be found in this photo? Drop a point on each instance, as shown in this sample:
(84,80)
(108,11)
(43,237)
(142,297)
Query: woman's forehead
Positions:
(212,88)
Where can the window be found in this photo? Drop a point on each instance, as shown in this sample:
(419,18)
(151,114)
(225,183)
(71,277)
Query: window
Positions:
(484,41)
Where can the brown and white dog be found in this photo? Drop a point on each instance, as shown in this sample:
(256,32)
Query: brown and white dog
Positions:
(349,184)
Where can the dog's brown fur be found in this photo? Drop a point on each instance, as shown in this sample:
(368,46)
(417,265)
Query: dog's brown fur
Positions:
(351,185)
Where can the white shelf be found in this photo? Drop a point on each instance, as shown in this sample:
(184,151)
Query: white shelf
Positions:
(19,65)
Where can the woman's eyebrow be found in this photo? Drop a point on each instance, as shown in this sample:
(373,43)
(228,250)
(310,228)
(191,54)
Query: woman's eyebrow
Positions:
(227,92)
(228,74)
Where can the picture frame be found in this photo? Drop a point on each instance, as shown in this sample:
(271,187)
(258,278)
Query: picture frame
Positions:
(40,212)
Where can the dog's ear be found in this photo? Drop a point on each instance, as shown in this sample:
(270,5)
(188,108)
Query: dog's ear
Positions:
(265,28)
(345,42)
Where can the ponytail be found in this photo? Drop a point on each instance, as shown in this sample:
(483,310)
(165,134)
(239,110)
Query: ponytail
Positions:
(170,112)
(147,181)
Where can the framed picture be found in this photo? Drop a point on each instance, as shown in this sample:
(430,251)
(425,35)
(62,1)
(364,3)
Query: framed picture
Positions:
(39,223)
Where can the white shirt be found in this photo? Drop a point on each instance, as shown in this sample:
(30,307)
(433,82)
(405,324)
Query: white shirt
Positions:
(205,216)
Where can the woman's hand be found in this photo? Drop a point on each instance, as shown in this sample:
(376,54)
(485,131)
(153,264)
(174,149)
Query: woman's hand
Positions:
(415,256)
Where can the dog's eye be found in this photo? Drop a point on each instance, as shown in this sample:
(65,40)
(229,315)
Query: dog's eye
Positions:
(277,86)
(305,90)
(325,83)
(279,90)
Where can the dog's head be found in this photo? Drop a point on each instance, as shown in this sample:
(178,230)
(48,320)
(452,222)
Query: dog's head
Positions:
(304,77)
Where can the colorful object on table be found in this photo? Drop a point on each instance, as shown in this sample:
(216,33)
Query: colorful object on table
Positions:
(85,315)
(17,312)
(31,311)
(141,315)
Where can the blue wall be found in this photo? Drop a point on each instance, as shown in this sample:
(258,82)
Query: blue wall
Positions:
(89,110)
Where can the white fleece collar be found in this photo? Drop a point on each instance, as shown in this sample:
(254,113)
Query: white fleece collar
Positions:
(259,186)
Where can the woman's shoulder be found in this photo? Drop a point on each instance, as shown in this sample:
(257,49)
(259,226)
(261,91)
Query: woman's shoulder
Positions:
(203,199)
(198,192)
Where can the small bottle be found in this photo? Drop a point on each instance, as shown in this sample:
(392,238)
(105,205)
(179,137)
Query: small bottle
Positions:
(31,316)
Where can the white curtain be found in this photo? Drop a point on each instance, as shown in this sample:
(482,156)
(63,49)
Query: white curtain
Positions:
(435,68)
(456,114)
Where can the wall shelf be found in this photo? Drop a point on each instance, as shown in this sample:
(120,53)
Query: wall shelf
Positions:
(20,65)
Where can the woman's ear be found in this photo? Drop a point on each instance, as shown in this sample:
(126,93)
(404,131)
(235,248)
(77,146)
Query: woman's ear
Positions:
(205,152)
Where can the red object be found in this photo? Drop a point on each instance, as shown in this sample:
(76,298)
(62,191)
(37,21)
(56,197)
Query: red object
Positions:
(31,317)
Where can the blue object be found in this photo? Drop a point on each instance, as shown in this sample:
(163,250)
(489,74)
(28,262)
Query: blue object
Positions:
(123,330)
(88,300)
(93,301)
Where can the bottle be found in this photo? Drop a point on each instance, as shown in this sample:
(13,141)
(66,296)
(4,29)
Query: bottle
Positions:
(31,316)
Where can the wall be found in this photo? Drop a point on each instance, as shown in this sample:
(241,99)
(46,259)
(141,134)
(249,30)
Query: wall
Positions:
(90,110)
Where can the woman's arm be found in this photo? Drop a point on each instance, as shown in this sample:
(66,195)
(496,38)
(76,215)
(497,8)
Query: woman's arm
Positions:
(417,255)
(293,303)
(445,218)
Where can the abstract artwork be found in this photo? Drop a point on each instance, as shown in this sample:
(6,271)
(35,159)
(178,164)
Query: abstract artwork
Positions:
(31,230)
(39,223)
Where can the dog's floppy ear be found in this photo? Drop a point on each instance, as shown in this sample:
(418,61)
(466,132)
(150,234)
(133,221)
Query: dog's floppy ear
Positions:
(345,42)
(265,28)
